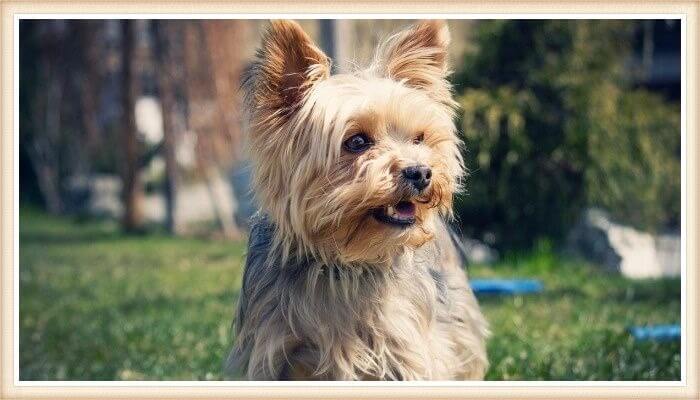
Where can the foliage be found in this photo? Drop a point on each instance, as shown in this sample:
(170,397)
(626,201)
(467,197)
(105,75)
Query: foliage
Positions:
(551,126)
(635,170)
(95,304)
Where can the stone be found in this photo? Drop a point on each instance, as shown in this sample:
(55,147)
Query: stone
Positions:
(633,253)
(478,252)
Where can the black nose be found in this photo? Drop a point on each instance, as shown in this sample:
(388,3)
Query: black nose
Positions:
(418,176)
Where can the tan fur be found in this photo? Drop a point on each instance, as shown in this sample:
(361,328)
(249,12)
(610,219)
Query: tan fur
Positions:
(342,295)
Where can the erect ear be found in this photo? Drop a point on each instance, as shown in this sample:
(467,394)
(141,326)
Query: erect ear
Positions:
(418,56)
(288,64)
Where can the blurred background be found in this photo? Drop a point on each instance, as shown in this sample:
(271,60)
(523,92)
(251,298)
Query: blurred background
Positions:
(135,200)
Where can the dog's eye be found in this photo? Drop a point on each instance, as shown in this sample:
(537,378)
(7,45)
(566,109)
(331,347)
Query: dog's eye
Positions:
(357,143)
(419,139)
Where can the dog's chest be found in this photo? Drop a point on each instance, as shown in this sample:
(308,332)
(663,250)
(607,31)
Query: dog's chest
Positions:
(400,328)
(407,331)
(415,320)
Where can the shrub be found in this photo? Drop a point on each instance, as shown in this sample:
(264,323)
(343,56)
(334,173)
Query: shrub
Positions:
(551,126)
(635,170)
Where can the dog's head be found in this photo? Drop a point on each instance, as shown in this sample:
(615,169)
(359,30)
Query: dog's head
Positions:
(353,167)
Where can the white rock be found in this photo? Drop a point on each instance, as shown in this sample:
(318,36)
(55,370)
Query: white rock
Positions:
(479,253)
(633,253)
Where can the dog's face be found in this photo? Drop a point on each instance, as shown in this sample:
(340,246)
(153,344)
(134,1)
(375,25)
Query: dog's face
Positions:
(353,168)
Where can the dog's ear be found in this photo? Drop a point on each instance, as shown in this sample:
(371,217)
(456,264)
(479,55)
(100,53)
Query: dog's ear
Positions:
(288,64)
(418,57)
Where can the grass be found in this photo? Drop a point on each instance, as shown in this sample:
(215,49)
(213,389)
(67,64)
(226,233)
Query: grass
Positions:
(577,328)
(97,305)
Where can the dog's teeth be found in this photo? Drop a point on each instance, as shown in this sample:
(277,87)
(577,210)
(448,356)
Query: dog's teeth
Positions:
(390,211)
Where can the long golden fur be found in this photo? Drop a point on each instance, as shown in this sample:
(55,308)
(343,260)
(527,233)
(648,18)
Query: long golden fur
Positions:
(331,291)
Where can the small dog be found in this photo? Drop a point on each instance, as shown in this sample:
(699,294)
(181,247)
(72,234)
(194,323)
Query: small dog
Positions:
(351,271)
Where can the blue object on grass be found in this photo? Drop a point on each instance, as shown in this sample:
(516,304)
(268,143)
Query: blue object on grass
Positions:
(659,333)
(506,286)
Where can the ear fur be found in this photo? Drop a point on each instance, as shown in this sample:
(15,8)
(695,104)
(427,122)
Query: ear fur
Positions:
(287,65)
(418,57)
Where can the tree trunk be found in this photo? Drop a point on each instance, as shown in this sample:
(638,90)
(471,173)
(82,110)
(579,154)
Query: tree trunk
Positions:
(223,209)
(173,125)
(132,191)
(87,32)
(336,36)
(223,40)
(42,132)
(43,150)
(209,109)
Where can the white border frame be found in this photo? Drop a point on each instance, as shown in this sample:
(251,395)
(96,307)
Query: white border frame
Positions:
(447,16)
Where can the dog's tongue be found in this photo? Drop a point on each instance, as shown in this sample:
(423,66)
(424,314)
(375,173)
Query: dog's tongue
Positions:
(405,209)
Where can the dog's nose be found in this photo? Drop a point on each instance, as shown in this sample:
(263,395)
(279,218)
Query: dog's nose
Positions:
(418,176)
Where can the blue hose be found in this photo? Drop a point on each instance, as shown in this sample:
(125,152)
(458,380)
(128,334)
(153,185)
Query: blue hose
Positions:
(658,333)
(506,286)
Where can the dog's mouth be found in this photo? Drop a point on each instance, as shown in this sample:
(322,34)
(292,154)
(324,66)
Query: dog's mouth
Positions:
(401,214)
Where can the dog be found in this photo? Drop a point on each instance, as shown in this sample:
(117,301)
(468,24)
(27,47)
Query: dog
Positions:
(352,272)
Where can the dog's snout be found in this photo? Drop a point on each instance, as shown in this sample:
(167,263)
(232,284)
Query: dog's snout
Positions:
(418,176)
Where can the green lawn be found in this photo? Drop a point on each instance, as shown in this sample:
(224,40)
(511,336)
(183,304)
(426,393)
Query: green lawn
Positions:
(97,305)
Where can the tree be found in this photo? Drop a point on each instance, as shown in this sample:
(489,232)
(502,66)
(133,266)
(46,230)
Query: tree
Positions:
(336,38)
(44,86)
(87,33)
(60,139)
(549,129)
(170,79)
(132,190)
(213,72)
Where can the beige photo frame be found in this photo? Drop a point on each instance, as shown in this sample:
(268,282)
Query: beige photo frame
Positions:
(12,388)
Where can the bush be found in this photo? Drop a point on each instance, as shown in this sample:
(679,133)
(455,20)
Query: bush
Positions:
(551,126)
(635,169)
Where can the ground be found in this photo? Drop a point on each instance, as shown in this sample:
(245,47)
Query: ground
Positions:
(98,305)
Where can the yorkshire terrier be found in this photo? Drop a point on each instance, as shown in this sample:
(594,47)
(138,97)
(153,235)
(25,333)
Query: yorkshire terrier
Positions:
(352,272)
